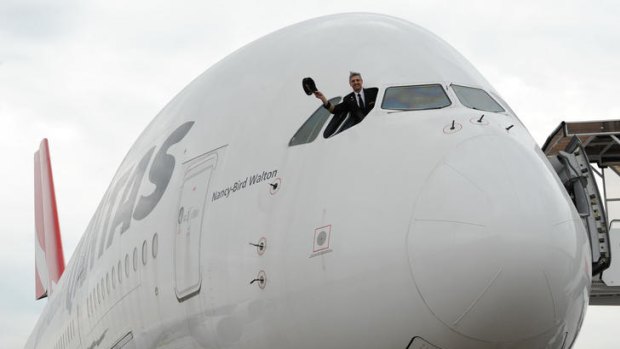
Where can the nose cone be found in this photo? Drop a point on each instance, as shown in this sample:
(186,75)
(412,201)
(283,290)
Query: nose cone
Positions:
(495,250)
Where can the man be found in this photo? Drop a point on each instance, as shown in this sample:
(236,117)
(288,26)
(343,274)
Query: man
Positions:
(358,103)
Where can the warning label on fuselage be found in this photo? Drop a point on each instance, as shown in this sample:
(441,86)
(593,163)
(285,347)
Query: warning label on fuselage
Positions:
(241,184)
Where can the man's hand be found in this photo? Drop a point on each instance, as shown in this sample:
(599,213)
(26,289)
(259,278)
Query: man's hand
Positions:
(319,95)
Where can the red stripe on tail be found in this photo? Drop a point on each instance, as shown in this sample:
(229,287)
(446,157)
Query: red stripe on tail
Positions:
(47,227)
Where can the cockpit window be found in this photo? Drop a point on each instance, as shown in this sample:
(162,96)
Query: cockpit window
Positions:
(339,123)
(476,98)
(418,97)
(312,127)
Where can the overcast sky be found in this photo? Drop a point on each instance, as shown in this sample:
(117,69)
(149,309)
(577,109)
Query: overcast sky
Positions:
(90,75)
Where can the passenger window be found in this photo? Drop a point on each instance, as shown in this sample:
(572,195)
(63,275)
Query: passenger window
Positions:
(476,98)
(311,128)
(417,97)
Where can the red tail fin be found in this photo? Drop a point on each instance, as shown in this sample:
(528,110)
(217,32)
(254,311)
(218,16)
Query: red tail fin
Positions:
(49,258)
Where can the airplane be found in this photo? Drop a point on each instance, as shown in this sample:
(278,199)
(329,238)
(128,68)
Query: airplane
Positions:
(247,216)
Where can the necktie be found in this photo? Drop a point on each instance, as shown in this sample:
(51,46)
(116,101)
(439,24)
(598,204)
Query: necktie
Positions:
(360,102)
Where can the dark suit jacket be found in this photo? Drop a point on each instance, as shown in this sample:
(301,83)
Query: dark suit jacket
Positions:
(349,103)
(348,107)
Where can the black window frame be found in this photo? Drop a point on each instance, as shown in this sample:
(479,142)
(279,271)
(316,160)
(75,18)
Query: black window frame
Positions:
(443,90)
(452,86)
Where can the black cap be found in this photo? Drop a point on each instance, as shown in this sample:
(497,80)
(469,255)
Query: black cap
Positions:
(309,86)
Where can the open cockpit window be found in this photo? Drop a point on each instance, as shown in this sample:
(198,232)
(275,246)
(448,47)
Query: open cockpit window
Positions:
(416,97)
(312,127)
(351,111)
(339,123)
(476,98)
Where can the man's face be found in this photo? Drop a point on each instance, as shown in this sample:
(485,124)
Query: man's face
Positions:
(356,83)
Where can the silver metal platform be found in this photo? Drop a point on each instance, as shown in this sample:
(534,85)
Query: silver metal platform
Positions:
(600,141)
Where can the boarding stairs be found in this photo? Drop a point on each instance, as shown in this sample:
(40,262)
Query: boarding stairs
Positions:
(586,156)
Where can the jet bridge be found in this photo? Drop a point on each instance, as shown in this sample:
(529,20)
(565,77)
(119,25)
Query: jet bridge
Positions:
(573,149)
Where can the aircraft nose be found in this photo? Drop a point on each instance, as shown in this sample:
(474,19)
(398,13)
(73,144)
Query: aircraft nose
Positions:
(495,250)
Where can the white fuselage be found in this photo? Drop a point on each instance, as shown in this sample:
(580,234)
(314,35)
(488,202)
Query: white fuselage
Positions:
(397,228)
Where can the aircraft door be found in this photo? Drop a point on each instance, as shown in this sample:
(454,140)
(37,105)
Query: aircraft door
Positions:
(192,215)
